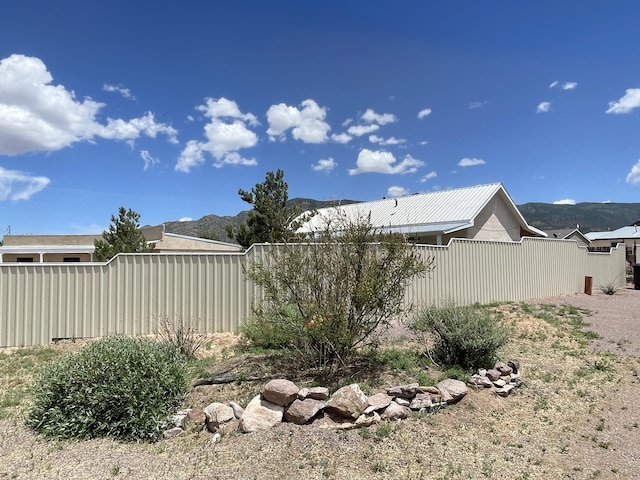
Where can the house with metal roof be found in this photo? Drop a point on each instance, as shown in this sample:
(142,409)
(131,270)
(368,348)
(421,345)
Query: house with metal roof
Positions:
(482,212)
(604,241)
(80,248)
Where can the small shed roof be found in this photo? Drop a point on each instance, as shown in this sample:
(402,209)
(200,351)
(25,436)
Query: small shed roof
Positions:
(440,212)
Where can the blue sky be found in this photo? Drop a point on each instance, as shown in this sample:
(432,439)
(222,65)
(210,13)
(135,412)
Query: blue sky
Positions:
(170,107)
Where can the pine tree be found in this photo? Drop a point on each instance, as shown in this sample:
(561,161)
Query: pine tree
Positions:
(123,236)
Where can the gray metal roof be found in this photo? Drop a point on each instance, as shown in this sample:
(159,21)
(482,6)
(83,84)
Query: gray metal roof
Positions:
(624,232)
(443,211)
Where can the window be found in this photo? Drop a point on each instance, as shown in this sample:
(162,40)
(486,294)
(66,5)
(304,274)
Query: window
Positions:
(25,259)
(71,259)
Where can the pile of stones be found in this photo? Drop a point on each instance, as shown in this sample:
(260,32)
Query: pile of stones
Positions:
(282,401)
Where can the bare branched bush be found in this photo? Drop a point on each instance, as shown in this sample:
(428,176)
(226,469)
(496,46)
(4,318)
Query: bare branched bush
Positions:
(181,334)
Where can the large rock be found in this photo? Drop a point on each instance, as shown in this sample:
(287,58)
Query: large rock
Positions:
(420,401)
(260,414)
(452,391)
(348,402)
(301,411)
(404,391)
(217,414)
(378,401)
(395,412)
(280,392)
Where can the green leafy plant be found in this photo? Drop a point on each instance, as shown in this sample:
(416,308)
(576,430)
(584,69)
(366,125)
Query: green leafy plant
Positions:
(118,387)
(466,336)
(339,287)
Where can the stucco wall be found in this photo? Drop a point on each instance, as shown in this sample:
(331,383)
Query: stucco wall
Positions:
(496,223)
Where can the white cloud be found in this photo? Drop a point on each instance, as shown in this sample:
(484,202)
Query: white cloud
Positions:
(234,158)
(424,113)
(225,134)
(553,84)
(15,185)
(633,177)
(125,92)
(325,165)
(149,161)
(627,103)
(470,162)
(185,219)
(359,130)
(396,191)
(348,121)
(306,124)
(543,107)
(424,142)
(569,85)
(474,105)
(380,118)
(388,141)
(428,176)
(37,116)
(341,138)
(565,201)
(383,162)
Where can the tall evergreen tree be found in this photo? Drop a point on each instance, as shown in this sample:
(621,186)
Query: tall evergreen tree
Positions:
(123,236)
(269,220)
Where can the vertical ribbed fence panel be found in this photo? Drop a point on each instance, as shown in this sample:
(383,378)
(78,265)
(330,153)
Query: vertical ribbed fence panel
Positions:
(41,302)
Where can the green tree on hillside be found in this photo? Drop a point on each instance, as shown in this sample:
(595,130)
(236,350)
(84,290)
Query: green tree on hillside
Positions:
(123,236)
(270,219)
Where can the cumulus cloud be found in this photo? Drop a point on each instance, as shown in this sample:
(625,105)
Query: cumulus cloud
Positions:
(386,141)
(185,219)
(424,113)
(428,176)
(396,191)
(306,123)
(633,177)
(384,162)
(37,116)
(565,201)
(543,107)
(470,162)
(380,118)
(149,161)
(15,185)
(359,130)
(325,165)
(341,138)
(569,85)
(628,102)
(125,92)
(225,134)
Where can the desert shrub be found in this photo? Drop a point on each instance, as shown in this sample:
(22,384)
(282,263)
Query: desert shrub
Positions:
(466,336)
(265,331)
(118,387)
(340,287)
(609,288)
(182,334)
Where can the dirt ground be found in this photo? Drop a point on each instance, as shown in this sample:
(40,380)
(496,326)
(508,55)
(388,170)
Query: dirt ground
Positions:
(576,417)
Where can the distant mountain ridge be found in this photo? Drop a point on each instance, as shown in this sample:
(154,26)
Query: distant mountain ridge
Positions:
(543,216)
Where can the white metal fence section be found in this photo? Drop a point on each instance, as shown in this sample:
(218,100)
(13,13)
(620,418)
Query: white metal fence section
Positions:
(41,302)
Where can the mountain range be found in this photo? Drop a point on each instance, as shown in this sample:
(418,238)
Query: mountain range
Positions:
(587,216)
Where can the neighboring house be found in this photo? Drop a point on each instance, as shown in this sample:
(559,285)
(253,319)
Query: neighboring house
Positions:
(80,248)
(568,234)
(630,236)
(483,212)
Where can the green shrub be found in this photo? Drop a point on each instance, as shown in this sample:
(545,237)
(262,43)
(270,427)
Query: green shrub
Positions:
(118,387)
(468,336)
(182,334)
(276,330)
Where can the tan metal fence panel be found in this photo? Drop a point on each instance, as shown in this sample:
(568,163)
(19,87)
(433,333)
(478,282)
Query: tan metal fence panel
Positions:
(41,302)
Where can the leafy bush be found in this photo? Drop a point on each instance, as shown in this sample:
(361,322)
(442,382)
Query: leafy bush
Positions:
(468,336)
(340,287)
(183,335)
(114,387)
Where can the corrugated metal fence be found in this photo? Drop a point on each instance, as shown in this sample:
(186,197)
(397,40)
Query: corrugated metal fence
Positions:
(41,302)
